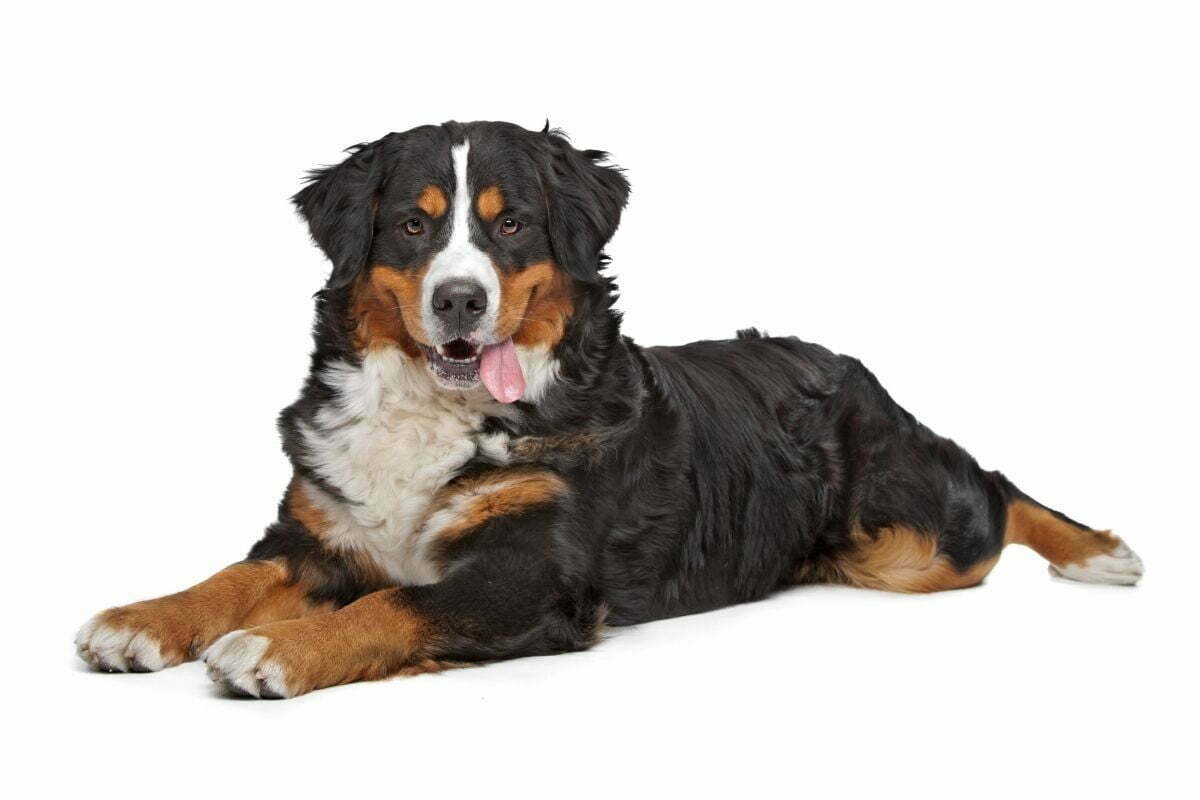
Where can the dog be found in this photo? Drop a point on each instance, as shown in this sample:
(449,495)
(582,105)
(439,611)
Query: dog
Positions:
(485,468)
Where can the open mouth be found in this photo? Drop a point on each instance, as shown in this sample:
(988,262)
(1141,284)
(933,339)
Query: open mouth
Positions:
(456,362)
(461,364)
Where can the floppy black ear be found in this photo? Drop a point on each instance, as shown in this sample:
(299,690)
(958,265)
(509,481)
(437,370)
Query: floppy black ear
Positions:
(339,206)
(585,203)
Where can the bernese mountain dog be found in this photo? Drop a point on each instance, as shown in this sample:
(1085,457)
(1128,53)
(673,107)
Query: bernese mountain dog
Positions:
(485,468)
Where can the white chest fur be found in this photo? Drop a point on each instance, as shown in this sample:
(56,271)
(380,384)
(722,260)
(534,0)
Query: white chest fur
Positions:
(387,443)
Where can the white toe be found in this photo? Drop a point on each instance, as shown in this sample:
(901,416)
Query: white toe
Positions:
(118,649)
(1122,566)
(114,649)
(103,646)
(144,652)
(235,662)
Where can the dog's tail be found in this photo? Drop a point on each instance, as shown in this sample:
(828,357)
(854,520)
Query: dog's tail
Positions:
(1074,550)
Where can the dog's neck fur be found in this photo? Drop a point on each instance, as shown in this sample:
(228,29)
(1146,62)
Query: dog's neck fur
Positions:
(386,440)
(373,437)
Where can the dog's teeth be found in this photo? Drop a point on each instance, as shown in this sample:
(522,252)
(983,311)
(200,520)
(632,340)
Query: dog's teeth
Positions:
(442,353)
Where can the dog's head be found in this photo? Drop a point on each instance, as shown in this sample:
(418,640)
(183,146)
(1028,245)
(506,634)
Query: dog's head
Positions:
(463,245)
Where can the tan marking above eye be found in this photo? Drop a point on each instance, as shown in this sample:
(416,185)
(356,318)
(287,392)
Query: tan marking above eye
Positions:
(432,201)
(489,203)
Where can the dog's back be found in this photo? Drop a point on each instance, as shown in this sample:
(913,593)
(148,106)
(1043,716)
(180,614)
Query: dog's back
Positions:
(768,461)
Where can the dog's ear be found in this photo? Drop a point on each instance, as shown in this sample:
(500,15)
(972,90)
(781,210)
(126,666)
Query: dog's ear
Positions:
(339,205)
(584,203)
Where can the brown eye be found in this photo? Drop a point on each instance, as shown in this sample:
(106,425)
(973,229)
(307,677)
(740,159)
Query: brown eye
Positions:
(509,226)
(413,227)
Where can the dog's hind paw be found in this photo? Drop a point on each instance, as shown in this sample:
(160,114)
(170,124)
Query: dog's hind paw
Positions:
(1120,566)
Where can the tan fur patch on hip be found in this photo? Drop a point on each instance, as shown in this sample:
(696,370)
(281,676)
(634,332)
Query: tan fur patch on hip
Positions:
(902,559)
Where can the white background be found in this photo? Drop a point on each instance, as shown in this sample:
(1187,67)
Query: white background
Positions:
(995,206)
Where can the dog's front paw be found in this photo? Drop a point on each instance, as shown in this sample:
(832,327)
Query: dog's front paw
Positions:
(293,657)
(136,638)
(238,663)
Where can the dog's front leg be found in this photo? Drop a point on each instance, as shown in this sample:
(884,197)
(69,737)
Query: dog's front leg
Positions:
(475,617)
(165,631)
(505,593)
(288,574)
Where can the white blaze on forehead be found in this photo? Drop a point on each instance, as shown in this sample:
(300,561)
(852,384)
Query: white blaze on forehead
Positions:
(461,259)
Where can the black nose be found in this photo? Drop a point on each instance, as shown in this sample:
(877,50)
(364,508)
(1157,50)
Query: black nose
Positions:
(458,304)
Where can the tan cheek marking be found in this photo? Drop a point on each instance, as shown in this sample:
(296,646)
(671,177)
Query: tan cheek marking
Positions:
(432,201)
(901,559)
(385,309)
(535,305)
(496,495)
(1056,540)
(489,203)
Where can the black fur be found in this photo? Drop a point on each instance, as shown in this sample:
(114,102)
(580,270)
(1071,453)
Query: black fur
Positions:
(699,476)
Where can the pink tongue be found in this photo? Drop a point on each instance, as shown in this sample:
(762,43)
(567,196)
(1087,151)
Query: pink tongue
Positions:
(501,372)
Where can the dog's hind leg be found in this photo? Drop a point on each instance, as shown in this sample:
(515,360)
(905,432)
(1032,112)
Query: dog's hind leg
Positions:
(1073,550)
(904,558)
(921,515)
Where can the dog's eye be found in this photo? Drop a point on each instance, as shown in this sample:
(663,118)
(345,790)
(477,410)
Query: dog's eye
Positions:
(509,226)
(413,227)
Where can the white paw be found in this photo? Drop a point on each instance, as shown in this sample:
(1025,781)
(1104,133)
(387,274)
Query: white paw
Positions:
(235,663)
(112,649)
(1121,566)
